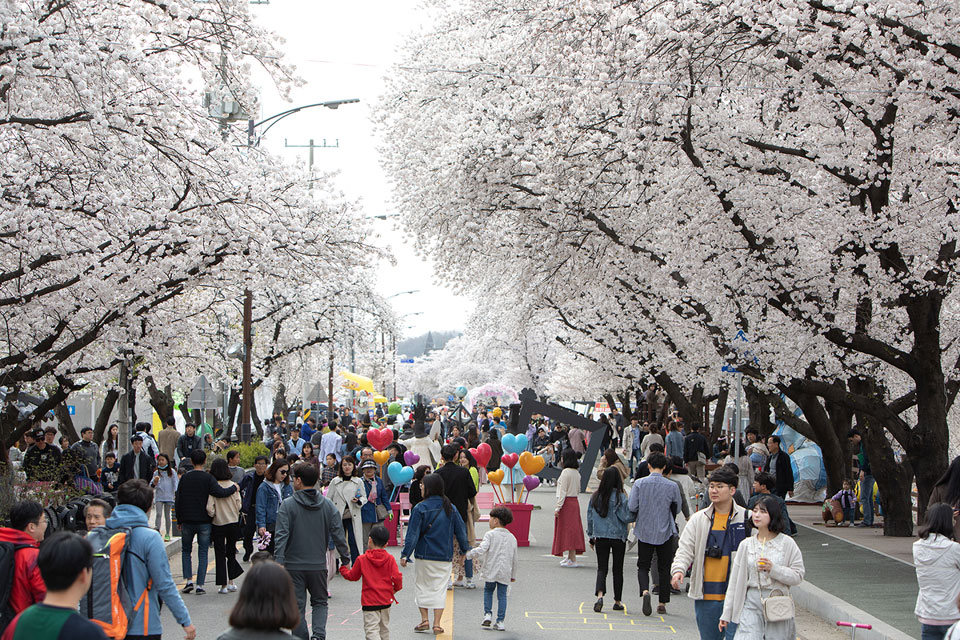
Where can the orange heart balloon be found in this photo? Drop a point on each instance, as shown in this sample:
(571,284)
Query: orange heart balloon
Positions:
(381,457)
(531,464)
(495,477)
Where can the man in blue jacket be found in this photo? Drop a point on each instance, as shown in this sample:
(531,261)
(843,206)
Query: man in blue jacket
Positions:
(146,562)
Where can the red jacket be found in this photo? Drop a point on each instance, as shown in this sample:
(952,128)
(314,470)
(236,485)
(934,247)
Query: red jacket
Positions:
(28,587)
(381,577)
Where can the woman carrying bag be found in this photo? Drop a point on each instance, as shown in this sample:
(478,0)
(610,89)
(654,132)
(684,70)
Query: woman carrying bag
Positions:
(226,527)
(765,567)
(348,496)
(434,523)
(377,507)
(271,492)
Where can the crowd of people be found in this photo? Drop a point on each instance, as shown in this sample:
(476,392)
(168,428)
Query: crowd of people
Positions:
(725,533)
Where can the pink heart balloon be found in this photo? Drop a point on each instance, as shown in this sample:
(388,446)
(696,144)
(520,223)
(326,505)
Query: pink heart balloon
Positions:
(410,458)
(531,482)
(510,460)
(380,439)
(482,454)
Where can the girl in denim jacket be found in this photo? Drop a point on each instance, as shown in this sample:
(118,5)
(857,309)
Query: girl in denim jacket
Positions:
(608,520)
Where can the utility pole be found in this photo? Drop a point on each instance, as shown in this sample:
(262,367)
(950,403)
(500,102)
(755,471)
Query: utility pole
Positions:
(247,391)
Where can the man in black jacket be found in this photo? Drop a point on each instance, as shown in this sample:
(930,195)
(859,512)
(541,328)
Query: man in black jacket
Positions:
(188,442)
(248,510)
(136,463)
(459,488)
(190,504)
(695,453)
(778,465)
(41,460)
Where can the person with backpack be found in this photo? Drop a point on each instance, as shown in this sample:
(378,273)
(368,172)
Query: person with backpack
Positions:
(21,584)
(64,562)
(145,577)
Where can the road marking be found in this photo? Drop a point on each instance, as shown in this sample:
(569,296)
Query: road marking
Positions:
(581,607)
(446,620)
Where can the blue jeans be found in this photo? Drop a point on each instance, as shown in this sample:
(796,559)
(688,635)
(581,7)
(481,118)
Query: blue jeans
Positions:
(849,514)
(635,454)
(708,620)
(501,588)
(468,569)
(933,631)
(202,531)
(866,499)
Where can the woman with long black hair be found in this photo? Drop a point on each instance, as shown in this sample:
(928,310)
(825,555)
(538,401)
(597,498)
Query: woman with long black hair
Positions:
(434,523)
(936,557)
(608,520)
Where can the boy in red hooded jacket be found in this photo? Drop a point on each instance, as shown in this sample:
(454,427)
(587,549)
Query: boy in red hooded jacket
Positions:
(28,523)
(381,579)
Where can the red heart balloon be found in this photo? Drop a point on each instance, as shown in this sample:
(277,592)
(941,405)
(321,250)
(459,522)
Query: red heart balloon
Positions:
(482,454)
(380,439)
(510,459)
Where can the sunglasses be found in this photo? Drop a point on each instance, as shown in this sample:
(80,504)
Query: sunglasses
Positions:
(283,473)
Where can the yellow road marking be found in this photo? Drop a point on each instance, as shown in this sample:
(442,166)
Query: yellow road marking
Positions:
(446,620)
(581,607)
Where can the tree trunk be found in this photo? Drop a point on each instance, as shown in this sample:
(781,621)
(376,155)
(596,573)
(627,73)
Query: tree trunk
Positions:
(690,409)
(161,401)
(716,428)
(280,401)
(930,437)
(833,445)
(232,405)
(894,479)
(103,418)
(62,412)
(758,411)
(13,425)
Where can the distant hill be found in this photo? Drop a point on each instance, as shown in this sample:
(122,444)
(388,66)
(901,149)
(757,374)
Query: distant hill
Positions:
(416,347)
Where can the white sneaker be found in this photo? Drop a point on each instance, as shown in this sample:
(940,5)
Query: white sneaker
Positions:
(449,585)
(572,565)
(460,583)
(222,590)
(565,562)
(487,620)
(470,584)
(499,626)
(231,587)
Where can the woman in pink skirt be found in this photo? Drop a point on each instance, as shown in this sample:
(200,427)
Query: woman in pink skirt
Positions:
(567,525)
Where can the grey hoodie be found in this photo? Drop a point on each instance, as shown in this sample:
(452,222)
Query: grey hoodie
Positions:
(306,523)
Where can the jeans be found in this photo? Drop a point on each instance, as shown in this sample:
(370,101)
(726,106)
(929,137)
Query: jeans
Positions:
(619,548)
(933,631)
(316,583)
(866,499)
(249,524)
(635,454)
(665,553)
(202,531)
(849,514)
(225,552)
(501,588)
(708,614)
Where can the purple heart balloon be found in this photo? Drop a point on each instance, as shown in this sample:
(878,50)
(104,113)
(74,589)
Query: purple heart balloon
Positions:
(410,458)
(531,482)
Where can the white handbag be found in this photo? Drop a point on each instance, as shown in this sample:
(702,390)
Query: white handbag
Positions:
(775,607)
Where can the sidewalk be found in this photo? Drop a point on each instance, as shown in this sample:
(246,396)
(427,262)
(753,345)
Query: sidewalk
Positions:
(861,566)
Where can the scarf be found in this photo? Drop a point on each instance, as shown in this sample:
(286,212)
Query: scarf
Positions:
(372,495)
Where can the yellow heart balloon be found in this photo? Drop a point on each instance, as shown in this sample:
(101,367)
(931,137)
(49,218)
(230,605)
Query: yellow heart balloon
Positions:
(495,477)
(531,464)
(381,457)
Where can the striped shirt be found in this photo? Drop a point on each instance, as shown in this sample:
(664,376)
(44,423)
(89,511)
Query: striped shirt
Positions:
(716,571)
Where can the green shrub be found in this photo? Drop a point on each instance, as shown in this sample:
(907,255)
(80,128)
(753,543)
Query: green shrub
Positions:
(249,452)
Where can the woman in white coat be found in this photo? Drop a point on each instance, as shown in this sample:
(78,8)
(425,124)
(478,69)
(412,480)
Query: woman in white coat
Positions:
(767,562)
(348,496)
(936,557)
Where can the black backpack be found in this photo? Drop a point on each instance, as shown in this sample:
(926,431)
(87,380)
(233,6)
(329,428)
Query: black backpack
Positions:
(8,567)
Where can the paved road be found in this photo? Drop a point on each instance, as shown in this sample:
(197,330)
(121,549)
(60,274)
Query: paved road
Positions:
(546,600)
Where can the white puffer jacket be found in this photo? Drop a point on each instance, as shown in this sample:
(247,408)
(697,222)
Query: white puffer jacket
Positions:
(937,561)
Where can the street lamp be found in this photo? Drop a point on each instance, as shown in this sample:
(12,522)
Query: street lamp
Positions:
(247,388)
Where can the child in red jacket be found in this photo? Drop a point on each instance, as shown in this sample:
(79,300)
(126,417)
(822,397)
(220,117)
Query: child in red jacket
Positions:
(381,579)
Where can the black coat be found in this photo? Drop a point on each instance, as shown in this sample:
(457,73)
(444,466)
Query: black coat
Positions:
(147,464)
(784,473)
(192,492)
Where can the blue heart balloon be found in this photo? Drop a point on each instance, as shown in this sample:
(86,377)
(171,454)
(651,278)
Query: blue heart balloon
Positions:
(399,474)
(508,442)
(521,444)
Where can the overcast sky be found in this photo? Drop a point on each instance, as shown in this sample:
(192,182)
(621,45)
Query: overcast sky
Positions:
(343,50)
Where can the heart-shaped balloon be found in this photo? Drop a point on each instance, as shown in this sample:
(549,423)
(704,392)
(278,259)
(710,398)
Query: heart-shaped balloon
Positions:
(510,460)
(514,444)
(531,482)
(410,458)
(381,457)
(508,442)
(531,464)
(521,444)
(399,474)
(380,439)
(495,477)
(483,454)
